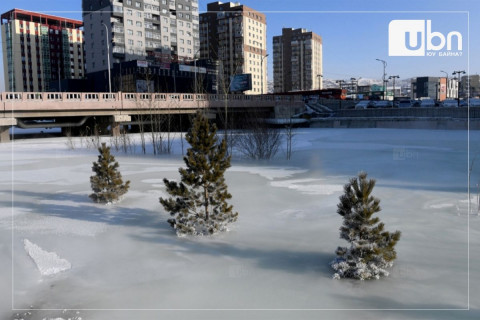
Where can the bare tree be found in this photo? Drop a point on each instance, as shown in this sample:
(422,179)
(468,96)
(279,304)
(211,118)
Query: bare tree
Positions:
(258,140)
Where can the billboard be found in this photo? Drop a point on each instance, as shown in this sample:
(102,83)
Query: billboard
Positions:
(241,82)
(142,64)
(186,68)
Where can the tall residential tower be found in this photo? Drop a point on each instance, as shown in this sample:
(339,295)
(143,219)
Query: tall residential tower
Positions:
(158,30)
(297,61)
(235,36)
(40,48)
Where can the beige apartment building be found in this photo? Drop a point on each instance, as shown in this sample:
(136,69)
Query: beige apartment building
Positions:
(297,61)
(39,48)
(236,36)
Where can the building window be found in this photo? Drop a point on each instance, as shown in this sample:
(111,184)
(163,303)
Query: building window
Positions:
(139,34)
(138,4)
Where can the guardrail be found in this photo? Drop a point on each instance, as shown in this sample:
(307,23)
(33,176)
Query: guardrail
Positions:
(437,112)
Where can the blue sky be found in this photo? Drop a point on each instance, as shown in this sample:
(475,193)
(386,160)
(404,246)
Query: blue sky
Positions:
(354,32)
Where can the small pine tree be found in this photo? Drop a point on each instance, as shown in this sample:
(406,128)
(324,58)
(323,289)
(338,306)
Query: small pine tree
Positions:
(371,248)
(199,202)
(107,183)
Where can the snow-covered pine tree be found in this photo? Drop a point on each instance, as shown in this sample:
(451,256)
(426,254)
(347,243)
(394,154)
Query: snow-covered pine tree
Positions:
(107,183)
(199,202)
(371,248)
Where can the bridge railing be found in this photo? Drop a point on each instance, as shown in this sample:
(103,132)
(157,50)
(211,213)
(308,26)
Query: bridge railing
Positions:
(118,96)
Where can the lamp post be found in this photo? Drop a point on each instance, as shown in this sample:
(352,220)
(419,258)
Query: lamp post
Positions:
(319,77)
(458,90)
(108,60)
(446,75)
(261,67)
(384,74)
(195,68)
(393,77)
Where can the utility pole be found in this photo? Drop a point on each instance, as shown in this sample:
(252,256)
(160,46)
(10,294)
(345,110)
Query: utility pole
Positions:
(261,68)
(384,75)
(319,77)
(393,77)
(458,91)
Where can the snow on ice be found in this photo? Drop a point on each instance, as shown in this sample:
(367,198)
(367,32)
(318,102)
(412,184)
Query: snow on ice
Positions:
(48,263)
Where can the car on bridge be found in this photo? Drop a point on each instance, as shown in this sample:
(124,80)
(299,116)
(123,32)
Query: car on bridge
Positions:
(474,102)
(405,103)
(365,104)
(449,103)
(383,104)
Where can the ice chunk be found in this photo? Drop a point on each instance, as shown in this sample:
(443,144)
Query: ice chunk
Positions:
(48,263)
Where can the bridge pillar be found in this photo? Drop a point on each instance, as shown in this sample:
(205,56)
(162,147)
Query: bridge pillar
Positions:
(116,121)
(5,124)
(4,134)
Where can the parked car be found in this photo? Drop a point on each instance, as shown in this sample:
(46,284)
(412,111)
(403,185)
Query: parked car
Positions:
(416,103)
(364,104)
(449,103)
(404,103)
(474,102)
(383,104)
(427,103)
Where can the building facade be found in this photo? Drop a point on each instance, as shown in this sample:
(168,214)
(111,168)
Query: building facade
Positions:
(470,86)
(236,36)
(437,88)
(297,61)
(160,31)
(39,49)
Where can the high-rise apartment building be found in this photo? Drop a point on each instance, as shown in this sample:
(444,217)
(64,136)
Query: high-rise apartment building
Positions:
(163,31)
(39,48)
(236,36)
(297,61)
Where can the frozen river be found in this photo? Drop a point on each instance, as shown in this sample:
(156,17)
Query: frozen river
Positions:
(124,261)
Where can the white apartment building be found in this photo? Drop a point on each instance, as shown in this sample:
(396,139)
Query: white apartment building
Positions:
(161,31)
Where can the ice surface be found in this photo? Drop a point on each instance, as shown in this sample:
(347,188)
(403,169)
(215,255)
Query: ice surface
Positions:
(276,256)
(48,263)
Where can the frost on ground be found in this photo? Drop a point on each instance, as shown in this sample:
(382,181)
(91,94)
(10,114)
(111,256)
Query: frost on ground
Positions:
(48,263)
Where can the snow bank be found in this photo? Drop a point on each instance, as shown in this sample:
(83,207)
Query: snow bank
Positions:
(269,173)
(48,263)
(309,186)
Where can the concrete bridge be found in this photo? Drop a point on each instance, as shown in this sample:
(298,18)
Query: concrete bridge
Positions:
(70,109)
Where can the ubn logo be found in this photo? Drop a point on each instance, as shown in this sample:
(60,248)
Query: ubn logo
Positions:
(411,38)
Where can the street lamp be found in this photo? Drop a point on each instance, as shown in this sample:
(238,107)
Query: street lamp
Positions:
(261,68)
(194,62)
(319,77)
(458,90)
(108,59)
(393,77)
(384,74)
(446,75)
